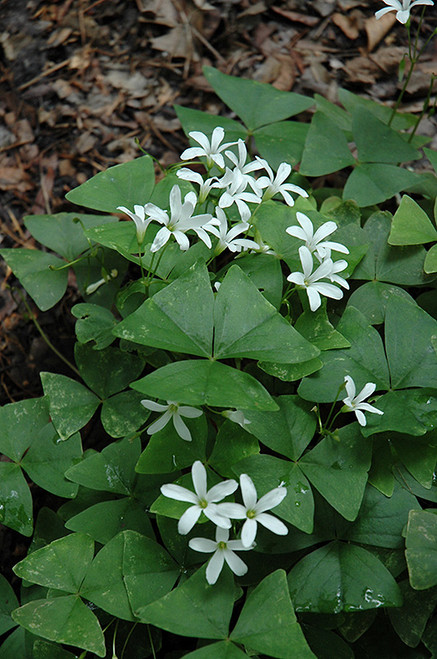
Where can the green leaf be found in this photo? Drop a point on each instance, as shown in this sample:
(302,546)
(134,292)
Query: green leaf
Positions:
(287,431)
(268,472)
(418,455)
(371,299)
(64,232)
(282,141)
(71,404)
(264,270)
(122,185)
(47,460)
(267,622)
(15,421)
(15,646)
(205,122)
(112,470)
(247,325)
(338,468)
(421,549)
(106,519)
(62,564)
(8,602)
(407,325)
(430,265)
(326,148)
(341,577)
(377,142)
(382,519)
(412,411)
(411,225)
(123,413)
(316,328)
(340,117)
(43,650)
(178,318)
(401,120)
(107,371)
(256,103)
(364,361)
(15,499)
(373,183)
(326,644)
(410,620)
(63,620)
(33,269)
(220,650)
(204,382)
(94,323)
(231,445)
(210,607)
(167,452)
(341,212)
(381,474)
(291,372)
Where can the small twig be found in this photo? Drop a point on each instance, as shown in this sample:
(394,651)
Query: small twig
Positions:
(44,74)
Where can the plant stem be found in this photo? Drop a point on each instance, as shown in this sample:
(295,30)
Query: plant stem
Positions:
(46,338)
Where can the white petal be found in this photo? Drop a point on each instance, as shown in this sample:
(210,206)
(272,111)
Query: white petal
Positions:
(190,412)
(314,298)
(329,290)
(248,532)
(160,239)
(159,423)
(365,392)
(232,510)
(306,260)
(237,566)
(202,544)
(271,499)
(188,175)
(221,490)
(296,232)
(350,386)
(369,408)
(192,152)
(201,139)
(323,231)
(219,520)
(306,224)
(360,417)
(179,493)
(217,136)
(273,524)
(182,240)
(248,491)
(381,12)
(198,475)
(181,428)
(154,407)
(214,567)
(188,519)
(296,278)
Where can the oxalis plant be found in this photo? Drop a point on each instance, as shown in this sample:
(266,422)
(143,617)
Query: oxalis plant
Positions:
(246,442)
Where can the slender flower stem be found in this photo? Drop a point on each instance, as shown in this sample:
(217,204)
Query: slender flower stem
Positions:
(327,427)
(424,108)
(141,267)
(123,650)
(70,263)
(151,642)
(46,338)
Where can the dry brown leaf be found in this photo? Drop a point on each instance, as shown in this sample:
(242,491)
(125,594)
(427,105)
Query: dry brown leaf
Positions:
(14,178)
(296,17)
(361,69)
(349,24)
(376,29)
(85,143)
(177,42)
(388,58)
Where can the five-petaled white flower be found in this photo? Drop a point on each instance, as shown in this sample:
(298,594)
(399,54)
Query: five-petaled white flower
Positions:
(402,8)
(211,150)
(353,403)
(203,500)
(273,185)
(235,193)
(311,280)
(315,241)
(172,411)
(228,239)
(254,511)
(138,216)
(180,221)
(223,549)
(242,168)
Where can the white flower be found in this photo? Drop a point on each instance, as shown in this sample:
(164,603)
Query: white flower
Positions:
(338,266)
(242,167)
(253,511)
(228,239)
(223,549)
(236,416)
(355,404)
(138,217)
(180,221)
(211,150)
(235,193)
(315,241)
(275,184)
(402,8)
(172,411)
(205,185)
(204,501)
(310,280)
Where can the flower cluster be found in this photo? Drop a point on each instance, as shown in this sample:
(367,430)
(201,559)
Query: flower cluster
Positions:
(252,511)
(327,269)
(233,184)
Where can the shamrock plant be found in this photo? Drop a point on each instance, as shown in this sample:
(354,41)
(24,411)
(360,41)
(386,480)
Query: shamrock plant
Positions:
(227,313)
